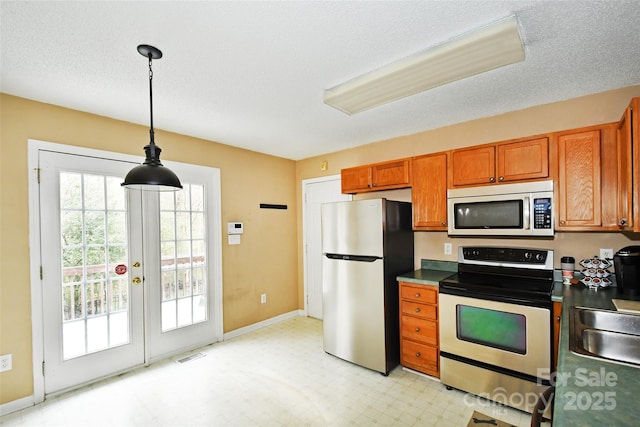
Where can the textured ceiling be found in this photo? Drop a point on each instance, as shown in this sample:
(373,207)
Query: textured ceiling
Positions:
(252,74)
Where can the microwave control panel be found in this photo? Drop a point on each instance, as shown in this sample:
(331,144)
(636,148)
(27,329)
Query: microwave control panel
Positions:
(542,213)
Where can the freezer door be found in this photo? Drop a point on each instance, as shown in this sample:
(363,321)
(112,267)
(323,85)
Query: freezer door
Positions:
(353,311)
(354,228)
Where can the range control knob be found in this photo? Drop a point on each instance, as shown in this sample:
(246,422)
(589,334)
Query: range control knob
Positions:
(539,256)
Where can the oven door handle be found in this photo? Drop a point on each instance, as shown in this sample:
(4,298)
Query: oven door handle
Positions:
(527,213)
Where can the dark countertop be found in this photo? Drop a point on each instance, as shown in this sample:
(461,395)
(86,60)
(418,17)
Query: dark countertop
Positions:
(592,392)
(425,276)
(430,273)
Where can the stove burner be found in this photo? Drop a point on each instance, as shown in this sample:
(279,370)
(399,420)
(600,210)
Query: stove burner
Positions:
(520,275)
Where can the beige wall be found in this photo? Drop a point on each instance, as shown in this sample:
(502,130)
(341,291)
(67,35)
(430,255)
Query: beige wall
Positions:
(264,262)
(594,109)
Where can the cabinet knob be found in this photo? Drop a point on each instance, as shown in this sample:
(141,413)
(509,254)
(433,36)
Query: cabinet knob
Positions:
(417,310)
(418,355)
(623,222)
(501,179)
(558,318)
(373,185)
(563,222)
(417,329)
(492,179)
(443,223)
(417,295)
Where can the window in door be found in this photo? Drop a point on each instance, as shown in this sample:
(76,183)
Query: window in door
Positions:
(93,240)
(184,257)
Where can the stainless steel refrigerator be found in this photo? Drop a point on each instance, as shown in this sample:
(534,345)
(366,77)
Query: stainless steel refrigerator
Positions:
(366,244)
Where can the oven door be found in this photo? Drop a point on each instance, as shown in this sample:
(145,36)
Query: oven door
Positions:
(504,335)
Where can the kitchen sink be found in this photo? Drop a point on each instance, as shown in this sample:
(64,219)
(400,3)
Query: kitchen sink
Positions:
(606,335)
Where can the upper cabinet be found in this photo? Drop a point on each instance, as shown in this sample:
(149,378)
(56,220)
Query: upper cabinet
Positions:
(429,192)
(587,179)
(628,150)
(378,176)
(503,162)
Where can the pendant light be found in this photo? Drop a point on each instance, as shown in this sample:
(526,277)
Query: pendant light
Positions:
(151,175)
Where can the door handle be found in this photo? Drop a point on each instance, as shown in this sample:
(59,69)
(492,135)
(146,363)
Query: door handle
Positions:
(136,280)
(136,264)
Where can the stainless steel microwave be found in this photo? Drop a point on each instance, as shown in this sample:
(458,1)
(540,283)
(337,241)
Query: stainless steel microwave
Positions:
(523,209)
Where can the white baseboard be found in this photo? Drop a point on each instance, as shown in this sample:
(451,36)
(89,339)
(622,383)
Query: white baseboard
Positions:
(259,325)
(16,405)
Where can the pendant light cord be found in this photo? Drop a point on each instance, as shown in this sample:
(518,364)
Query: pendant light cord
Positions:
(151,131)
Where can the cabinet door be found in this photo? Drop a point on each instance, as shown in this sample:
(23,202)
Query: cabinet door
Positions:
(394,174)
(523,160)
(474,166)
(429,192)
(557,318)
(355,179)
(635,143)
(625,172)
(579,182)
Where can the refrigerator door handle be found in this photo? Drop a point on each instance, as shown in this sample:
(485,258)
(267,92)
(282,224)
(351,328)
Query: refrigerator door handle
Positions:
(359,258)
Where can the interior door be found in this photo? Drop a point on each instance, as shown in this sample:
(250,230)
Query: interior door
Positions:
(316,192)
(91,257)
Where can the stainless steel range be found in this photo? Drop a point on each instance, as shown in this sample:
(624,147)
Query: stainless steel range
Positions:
(496,324)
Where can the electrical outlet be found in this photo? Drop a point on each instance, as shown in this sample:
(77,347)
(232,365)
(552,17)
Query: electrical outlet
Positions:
(5,363)
(263,299)
(606,253)
(448,249)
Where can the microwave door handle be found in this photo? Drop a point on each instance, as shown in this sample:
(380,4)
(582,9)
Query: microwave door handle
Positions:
(527,213)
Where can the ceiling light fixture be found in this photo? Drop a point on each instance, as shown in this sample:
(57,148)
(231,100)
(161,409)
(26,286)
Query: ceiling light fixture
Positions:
(151,175)
(491,47)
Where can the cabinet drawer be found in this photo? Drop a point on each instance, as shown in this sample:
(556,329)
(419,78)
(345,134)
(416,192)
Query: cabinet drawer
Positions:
(425,331)
(422,310)
(425,294)
(421,357)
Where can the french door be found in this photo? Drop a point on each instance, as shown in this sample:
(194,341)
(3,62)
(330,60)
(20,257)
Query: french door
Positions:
(127,276)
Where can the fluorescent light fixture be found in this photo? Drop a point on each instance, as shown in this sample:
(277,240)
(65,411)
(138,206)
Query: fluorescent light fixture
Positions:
(490,47)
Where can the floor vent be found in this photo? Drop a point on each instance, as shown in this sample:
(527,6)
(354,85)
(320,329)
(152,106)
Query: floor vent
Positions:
(190,358)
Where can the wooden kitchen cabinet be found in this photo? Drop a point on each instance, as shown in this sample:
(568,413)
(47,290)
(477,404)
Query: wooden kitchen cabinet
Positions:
(587,179)
(628,161)
(429,191)
(501,163)
(419,341)
(376,177)
(557,318)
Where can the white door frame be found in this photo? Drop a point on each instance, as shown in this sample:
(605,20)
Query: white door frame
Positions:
(37,331)
(305,261)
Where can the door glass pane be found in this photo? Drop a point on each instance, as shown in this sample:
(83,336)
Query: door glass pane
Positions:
(93,236)
(184,259)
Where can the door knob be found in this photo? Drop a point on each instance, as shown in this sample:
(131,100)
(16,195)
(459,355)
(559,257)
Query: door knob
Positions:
(136,264)
(136,280)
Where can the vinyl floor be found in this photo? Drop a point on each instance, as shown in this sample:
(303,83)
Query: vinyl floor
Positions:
(278,375)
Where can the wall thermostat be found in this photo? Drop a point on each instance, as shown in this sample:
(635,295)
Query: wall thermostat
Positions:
(235,228)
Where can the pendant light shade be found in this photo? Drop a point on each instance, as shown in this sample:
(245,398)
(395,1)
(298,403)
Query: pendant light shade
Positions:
(151,175)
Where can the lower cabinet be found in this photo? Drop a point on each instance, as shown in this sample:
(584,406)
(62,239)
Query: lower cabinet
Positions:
(419,342)
(557,318)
